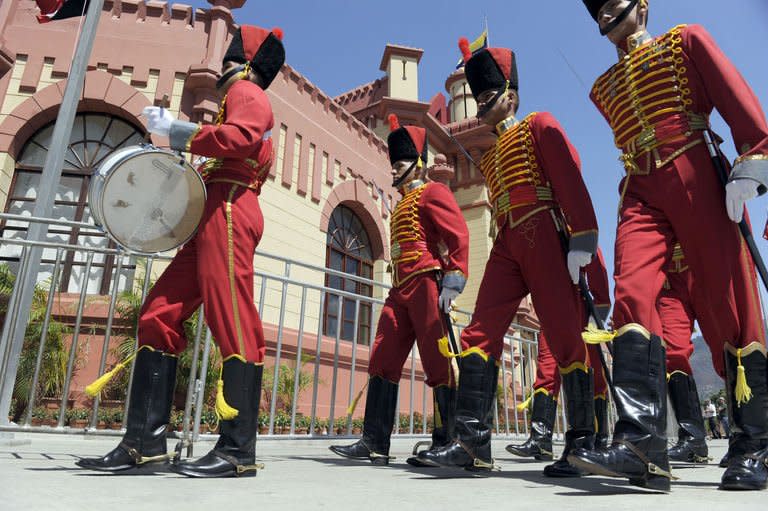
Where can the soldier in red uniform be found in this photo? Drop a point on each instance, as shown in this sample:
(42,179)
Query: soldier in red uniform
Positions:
(677,317)
(424,285)
(536,192)
(214,269)
(657,100)
(546,387)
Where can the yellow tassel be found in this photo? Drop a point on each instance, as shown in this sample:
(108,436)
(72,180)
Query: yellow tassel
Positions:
(525,404)
(593,335)
(442,346)
(223,410)
(353,404)
(743,392)
(95,388)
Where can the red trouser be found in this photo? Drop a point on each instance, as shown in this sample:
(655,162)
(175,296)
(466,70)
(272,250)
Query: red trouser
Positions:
(685,201)
(526,259)
(548,375)
(216,269)
(411,312)
(676,314)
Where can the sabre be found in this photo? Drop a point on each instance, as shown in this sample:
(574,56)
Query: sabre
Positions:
(746,232)
(587,297)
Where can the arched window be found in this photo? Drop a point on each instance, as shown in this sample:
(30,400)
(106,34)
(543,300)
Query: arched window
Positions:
(94,137)
(349,251)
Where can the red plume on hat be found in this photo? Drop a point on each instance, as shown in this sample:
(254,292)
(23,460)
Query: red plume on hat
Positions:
(466,52)
(394,123)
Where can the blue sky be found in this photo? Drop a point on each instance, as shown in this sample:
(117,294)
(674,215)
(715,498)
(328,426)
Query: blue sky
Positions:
(338,45)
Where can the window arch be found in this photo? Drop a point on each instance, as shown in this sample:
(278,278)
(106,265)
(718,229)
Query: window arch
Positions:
(348,250)
(94,136)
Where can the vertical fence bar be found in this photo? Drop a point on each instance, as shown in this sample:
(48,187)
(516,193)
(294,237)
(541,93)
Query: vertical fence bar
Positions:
(354,360)
(144,290)
(75,339)
(6,344)
(192,385)
(318,353)
(278,349)
(107,333)
(200,386)
(297,371)
(504,387)
(411,389)
(331,414)
(43,336)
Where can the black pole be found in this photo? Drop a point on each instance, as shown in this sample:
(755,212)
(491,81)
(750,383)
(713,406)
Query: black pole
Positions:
(746,232)
(447,319)
(587,297)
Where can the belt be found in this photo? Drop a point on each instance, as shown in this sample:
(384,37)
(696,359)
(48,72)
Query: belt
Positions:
(647,144)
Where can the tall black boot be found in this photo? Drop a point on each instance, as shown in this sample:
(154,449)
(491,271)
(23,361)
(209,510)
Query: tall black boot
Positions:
(691,444)
(377,426)
(471,447)
(748,447)
(579,389)
(234,454)
(539,443)
(639,448)
(445,421)
(143,446)
(601,421)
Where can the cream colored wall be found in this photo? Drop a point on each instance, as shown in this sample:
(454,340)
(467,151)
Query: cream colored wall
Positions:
(478,222)
(398,87)
(458,99)
(7,165)
(13,97)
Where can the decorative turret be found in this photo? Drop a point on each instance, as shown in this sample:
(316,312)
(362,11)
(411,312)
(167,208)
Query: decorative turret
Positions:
(401,64)
(461,105)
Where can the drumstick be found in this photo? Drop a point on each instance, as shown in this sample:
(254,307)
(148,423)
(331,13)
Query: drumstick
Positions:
(164,103)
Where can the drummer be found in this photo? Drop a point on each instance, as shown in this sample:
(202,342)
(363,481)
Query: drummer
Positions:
(214,269)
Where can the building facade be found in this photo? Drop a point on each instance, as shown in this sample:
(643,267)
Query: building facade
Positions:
(326,203)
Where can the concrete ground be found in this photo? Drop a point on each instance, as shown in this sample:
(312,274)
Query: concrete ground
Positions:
(37,472)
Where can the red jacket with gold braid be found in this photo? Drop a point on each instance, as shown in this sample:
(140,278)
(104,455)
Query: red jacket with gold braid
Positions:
(427,233)
(236,145)
(658,98)
(533,167)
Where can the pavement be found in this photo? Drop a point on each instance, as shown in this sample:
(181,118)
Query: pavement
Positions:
(37,472)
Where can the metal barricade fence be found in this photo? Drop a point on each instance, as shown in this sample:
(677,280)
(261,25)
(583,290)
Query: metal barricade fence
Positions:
(292,300)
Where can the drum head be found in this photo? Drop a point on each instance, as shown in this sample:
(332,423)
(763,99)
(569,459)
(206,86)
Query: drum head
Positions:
(151,201)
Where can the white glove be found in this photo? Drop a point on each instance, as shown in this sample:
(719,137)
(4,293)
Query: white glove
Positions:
(577,259)
(737,192)
(158,120)
(447,295)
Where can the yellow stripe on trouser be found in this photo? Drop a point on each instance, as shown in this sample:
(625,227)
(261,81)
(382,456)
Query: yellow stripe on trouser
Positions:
(231,267)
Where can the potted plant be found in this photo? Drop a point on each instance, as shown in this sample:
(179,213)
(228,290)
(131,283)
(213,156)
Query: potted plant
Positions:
(263,423)
(117,418)
(357,425)
(39,415)
(209,422)
(302,424)
(77,418)
(340,425)
(104,416)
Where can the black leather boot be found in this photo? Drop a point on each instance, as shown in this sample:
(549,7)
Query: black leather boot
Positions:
(748,448)
(445,419)
(539,443)
(579,390)
(691,444)
(639,448)
(234,454)
(143,446)
(601,421)
(471,447)
(377,426)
